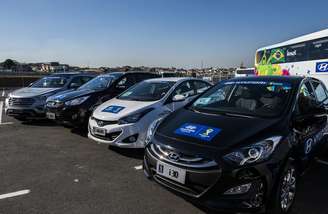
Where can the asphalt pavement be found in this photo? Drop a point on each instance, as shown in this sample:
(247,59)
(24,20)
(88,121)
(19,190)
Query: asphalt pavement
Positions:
(46,168)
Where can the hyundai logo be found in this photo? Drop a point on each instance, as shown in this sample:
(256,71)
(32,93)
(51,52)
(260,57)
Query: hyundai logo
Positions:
(322,67)
(173,156)
(100,123)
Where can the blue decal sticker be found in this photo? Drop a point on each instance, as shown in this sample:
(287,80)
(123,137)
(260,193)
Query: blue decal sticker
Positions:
(321,67)
(113,109)
(202,132)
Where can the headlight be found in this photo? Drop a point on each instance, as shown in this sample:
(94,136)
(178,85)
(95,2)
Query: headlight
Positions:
(134,117)
(151,130)
(254,153)
(76,101)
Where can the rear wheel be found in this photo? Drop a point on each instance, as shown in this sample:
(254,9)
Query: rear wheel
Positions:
(285,192)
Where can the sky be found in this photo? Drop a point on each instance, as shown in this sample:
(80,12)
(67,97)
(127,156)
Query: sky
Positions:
(179,33)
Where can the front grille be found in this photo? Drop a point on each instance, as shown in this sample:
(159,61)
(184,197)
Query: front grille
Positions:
(102,123)
(197,182)
(21,101)
(109,136)
(180,158)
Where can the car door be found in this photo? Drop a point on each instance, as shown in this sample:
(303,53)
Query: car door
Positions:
(309,123)
(187,90)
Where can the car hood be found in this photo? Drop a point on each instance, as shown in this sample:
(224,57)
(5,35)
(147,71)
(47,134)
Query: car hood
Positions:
(69,95)
(229,131)
(31,92)
(123,108)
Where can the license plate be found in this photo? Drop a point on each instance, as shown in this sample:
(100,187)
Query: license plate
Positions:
(99,131)
(51,116)
(171,172)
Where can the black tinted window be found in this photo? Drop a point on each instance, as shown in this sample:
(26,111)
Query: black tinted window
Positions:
(318,49)
(296,53)
(201,86)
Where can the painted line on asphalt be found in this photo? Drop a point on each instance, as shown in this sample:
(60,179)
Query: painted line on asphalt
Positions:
(1,106)
(14,194)
(8,123)
(138,167)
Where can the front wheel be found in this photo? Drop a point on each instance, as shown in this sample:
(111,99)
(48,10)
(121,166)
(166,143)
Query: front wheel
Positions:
(285,192)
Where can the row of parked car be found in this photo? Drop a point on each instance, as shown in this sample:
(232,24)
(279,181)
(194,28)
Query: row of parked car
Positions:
(238,146)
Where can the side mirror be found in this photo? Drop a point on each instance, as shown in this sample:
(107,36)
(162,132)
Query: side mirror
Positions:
(178,98)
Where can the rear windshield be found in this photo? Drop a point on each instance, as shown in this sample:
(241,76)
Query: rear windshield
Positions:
(252,98)
(50,82)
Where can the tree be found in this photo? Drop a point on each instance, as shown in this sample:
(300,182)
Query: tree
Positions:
(9,64)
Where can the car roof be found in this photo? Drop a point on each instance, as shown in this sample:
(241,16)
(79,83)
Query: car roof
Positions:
(172,79)
(291,79)
(69,74)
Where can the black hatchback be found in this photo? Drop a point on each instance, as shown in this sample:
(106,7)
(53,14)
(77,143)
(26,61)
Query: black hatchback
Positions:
(74,108)
(241,146)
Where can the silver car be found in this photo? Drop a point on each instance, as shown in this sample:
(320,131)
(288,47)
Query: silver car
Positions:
(29,102)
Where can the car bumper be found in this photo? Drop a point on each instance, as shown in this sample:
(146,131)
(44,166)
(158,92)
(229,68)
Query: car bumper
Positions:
(208,186)
(69,115)
(118,135)
(36,110)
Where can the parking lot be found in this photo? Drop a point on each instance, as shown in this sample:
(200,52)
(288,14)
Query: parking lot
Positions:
(45,168)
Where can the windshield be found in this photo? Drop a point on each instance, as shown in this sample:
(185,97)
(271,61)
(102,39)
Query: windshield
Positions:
(250,98)
(147,91)
(50,82)
(97,83)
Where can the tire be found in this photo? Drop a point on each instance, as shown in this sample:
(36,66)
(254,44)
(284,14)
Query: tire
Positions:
(286,185)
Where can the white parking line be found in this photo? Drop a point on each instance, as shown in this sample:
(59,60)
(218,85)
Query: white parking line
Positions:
(138,167)
(1,106)
(14,194)
(1,111)
(3,93)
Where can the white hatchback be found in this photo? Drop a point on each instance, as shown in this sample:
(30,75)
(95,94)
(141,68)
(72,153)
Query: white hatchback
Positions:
(124,120)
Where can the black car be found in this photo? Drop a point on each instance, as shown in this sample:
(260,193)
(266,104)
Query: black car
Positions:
(241,146)
(74,108)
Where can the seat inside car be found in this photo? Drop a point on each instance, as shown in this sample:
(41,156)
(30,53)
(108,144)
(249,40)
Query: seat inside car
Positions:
(246,101)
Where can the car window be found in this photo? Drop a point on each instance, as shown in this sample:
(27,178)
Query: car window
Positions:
(98,83)
(186,89)
(201,86)
(76,82)
(147,91)
(50,82)
(85,79)
(254,98)
(319,91)
(126,82)
(141,77)
(306,98)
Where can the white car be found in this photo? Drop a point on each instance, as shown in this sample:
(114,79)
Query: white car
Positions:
(124,120)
